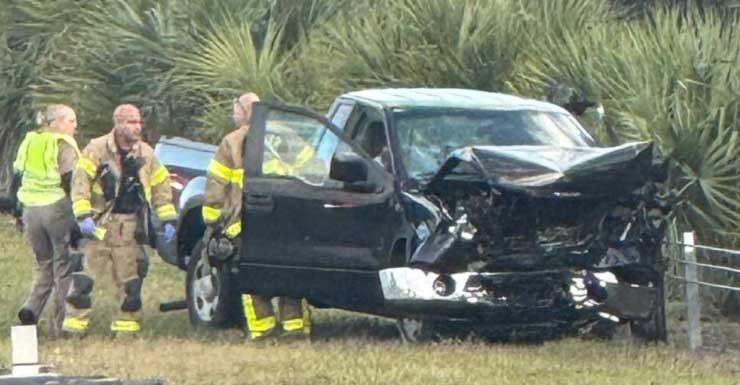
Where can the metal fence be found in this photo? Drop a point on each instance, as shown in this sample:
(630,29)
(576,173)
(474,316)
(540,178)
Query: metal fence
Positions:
(690,276)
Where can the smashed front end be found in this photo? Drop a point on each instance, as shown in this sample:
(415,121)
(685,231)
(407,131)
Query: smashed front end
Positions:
(533,234)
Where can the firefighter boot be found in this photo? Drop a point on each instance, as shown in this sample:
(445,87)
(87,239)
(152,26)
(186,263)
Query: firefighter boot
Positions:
(79,303)
(128,321)
(260,317)
(75,325)
(295,318)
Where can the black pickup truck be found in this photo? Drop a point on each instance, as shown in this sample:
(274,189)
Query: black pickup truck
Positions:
(446,209)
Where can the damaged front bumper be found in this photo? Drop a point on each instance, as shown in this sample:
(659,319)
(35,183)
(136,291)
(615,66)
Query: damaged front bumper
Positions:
(553,296)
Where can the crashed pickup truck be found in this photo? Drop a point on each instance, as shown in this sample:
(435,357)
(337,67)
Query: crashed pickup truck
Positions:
(449,210)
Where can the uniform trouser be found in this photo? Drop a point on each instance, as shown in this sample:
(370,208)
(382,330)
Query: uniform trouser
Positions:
(48,230)
(126,259)
(294,314)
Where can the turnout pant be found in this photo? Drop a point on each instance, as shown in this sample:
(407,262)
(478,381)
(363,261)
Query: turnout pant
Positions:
(294,315)
(48,229)
(126,260)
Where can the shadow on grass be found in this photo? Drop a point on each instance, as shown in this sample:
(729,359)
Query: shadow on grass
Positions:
(327,325)
(332,325)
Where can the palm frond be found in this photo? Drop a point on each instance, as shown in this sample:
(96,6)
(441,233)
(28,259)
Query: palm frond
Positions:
(230,60)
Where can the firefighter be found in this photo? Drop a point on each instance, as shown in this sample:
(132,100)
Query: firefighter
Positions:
(41,185)
(222,213)
(117,184)
(293,157)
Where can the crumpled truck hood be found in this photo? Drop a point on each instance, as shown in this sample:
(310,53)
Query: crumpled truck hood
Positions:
(547,169)
(530,207)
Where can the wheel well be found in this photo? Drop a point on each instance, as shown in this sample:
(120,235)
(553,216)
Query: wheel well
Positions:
(192,228)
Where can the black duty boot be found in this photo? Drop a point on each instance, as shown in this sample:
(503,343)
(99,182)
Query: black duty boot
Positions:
(26,316)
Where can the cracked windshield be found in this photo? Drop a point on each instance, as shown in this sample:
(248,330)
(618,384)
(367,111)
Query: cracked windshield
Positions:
(427,137)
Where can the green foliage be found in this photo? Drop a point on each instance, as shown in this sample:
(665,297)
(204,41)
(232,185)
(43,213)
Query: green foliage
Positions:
(225,62)
(435,43)
(639,8)
(23,60)
(249,51)
(122,51)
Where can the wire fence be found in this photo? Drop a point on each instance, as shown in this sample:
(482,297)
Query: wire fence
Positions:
(702,247)
(690,276)
(707,284)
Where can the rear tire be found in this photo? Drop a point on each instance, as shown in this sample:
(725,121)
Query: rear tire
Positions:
(212,299)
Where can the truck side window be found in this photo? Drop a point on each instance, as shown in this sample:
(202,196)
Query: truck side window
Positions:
(293,148)
(369,134)
(342,115)
(328,141)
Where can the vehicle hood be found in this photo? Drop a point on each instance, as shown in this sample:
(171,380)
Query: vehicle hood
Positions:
(548,169)
(541,207)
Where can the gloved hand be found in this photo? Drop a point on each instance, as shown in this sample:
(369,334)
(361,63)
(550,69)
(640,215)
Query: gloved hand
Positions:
(219,249)
(169,232)
(87,226)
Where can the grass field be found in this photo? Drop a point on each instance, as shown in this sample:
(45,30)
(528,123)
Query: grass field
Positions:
(347,348)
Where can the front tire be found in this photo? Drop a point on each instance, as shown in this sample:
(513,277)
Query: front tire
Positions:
(650,274)
(415,330)
(212,299)
(653,329)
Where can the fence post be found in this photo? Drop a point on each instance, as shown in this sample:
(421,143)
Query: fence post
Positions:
(693,302)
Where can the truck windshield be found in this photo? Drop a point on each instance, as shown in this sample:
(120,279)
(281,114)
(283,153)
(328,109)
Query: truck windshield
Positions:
(427,136)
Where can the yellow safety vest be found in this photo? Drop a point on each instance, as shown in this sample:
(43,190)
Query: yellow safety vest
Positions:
(277,166)
(38,161)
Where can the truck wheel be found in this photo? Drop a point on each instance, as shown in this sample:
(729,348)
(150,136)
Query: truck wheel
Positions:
(211,298)
(653,329)
(413,330)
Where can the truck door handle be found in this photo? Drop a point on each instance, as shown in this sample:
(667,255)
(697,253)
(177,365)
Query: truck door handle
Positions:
(259,202)
(338,205)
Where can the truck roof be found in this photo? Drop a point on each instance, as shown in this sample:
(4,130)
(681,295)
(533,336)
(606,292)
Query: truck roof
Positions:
(449,98)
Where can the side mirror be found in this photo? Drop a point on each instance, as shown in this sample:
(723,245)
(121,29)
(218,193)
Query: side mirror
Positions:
(348,167)
(351,169)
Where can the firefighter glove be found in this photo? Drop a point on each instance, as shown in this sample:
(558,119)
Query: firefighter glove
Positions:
(169,232)
(87,226)
(220,249)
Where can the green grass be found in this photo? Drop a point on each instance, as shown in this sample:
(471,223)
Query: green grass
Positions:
(347,349)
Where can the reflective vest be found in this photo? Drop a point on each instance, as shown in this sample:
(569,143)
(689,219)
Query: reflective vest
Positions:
(37,159)
(279,167)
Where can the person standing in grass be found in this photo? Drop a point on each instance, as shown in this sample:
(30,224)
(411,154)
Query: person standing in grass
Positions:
(43,171)
(117,183)
(222,214)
